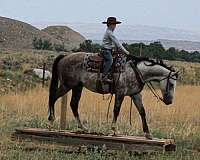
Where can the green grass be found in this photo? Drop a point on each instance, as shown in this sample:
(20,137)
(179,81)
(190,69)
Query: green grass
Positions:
(10,150)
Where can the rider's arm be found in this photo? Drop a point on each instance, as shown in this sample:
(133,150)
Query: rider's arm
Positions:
(117,44)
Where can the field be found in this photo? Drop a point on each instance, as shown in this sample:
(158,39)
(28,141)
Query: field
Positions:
(29,109)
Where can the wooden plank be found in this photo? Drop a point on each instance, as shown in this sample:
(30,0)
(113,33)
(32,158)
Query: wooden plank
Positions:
(132,143)
(63,112)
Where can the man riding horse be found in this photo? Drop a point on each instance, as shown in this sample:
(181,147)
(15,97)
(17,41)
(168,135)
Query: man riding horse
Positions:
(110,41)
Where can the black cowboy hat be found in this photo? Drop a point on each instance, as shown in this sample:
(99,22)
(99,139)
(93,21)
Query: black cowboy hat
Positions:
(111,20)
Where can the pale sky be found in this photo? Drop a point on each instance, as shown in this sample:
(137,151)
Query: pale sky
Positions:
(181,14)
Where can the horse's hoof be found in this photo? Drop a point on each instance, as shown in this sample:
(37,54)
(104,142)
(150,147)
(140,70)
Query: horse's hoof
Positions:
(83,128)
(148,136)
(51,118)
(114,131)
(49,128)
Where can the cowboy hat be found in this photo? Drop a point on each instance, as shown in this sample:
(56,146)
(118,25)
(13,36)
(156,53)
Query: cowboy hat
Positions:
(111,20)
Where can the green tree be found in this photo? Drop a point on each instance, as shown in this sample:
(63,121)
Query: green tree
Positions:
(59,47)
(88,46)
(46,45)
(37,43)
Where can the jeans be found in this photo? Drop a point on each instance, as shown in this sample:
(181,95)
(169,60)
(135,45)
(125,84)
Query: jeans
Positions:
(107,60)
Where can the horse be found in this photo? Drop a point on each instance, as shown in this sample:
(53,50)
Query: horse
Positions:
(68,74)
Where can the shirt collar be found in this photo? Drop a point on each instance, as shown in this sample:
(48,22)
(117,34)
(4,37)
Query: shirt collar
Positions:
(109,29)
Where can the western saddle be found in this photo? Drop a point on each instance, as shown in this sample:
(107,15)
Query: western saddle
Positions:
(94,62)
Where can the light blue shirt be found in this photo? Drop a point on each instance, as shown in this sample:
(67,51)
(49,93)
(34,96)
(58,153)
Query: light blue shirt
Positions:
(109,41)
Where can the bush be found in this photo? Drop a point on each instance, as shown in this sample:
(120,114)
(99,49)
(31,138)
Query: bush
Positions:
(59,47)
(88,46)
(42,44)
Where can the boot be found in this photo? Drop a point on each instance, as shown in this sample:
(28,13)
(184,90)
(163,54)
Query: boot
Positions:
(106,79)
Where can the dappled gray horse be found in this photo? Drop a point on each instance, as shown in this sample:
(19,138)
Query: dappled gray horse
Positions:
(71,75)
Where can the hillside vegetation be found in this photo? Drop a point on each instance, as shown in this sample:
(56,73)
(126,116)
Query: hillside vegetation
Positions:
(13,64)
(19,35)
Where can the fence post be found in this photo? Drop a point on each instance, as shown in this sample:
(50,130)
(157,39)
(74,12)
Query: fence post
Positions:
(63,112)
(43,76)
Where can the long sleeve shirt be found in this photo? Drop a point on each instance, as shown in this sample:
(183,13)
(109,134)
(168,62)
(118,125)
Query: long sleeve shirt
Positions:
(109,41)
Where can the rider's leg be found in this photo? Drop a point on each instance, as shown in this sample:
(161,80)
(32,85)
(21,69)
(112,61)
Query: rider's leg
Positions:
(107,63)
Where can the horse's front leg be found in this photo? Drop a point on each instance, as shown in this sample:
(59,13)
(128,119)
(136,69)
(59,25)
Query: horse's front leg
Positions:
(76,95)
(137,99)
(118,101)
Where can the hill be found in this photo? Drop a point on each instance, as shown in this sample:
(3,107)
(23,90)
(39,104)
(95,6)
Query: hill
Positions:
(70,38)
(17,34)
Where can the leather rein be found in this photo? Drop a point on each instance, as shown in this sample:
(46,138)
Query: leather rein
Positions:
(150,85)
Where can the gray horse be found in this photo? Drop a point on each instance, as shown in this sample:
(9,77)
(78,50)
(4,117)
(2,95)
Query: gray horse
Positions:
(69,72)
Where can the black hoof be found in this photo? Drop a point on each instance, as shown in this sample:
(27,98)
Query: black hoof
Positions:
(51,118)
(148,136)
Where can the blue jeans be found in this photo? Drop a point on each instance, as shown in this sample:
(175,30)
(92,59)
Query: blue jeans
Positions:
(107,60)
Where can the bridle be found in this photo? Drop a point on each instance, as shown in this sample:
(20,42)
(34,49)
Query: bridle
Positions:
(153,90)
(150,85)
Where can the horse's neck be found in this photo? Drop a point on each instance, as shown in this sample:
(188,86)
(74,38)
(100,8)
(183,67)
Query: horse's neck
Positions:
(154,72)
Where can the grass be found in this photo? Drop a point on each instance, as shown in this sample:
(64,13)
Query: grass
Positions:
(179,121)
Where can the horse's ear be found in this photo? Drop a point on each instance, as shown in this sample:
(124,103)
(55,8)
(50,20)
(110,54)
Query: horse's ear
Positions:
(161,61)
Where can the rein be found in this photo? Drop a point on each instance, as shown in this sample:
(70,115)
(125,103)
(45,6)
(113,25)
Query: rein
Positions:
(150,85)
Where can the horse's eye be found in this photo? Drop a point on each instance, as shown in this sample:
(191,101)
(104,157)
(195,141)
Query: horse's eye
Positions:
(171,85)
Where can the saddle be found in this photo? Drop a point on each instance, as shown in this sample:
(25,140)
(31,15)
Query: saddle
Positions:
(93,62)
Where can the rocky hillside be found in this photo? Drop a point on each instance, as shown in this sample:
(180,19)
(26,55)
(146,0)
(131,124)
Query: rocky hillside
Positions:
(69,37)
(19,35)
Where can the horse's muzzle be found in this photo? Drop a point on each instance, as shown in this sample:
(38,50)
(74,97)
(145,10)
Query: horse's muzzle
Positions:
(167,99)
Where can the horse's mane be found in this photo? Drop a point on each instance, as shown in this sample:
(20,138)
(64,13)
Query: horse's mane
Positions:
(160,62)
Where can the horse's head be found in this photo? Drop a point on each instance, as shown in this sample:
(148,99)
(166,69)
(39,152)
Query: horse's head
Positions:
(151,70)
(167,86)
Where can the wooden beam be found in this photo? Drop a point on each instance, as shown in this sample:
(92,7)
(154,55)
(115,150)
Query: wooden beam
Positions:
(130,143)
(63,112)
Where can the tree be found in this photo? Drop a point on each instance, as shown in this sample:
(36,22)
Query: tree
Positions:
(42,44)
(37,43)
(88,46)
(59,47)
(46,45)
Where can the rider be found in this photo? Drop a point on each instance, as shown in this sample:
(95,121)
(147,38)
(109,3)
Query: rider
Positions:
(110,41)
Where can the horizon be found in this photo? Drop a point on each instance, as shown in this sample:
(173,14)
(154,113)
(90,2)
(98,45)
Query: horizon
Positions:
(100,28)
(177,14)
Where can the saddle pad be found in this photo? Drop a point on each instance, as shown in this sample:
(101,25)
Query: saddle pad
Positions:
(94,63)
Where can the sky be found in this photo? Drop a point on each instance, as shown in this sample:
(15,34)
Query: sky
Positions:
(180,14)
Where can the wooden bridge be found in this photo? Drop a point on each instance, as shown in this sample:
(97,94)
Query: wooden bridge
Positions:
(66,138)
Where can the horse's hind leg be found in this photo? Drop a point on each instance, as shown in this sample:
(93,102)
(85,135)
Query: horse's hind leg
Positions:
(61,91)
(137,99)
(76,95)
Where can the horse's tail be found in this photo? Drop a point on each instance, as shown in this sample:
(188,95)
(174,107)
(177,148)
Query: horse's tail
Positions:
(54,81)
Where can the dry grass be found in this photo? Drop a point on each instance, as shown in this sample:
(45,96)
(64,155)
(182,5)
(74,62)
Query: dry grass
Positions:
(180,121)
(184,112)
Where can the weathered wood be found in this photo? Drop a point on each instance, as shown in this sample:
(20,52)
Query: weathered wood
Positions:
(130,143)
(63,112)
(43,75)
